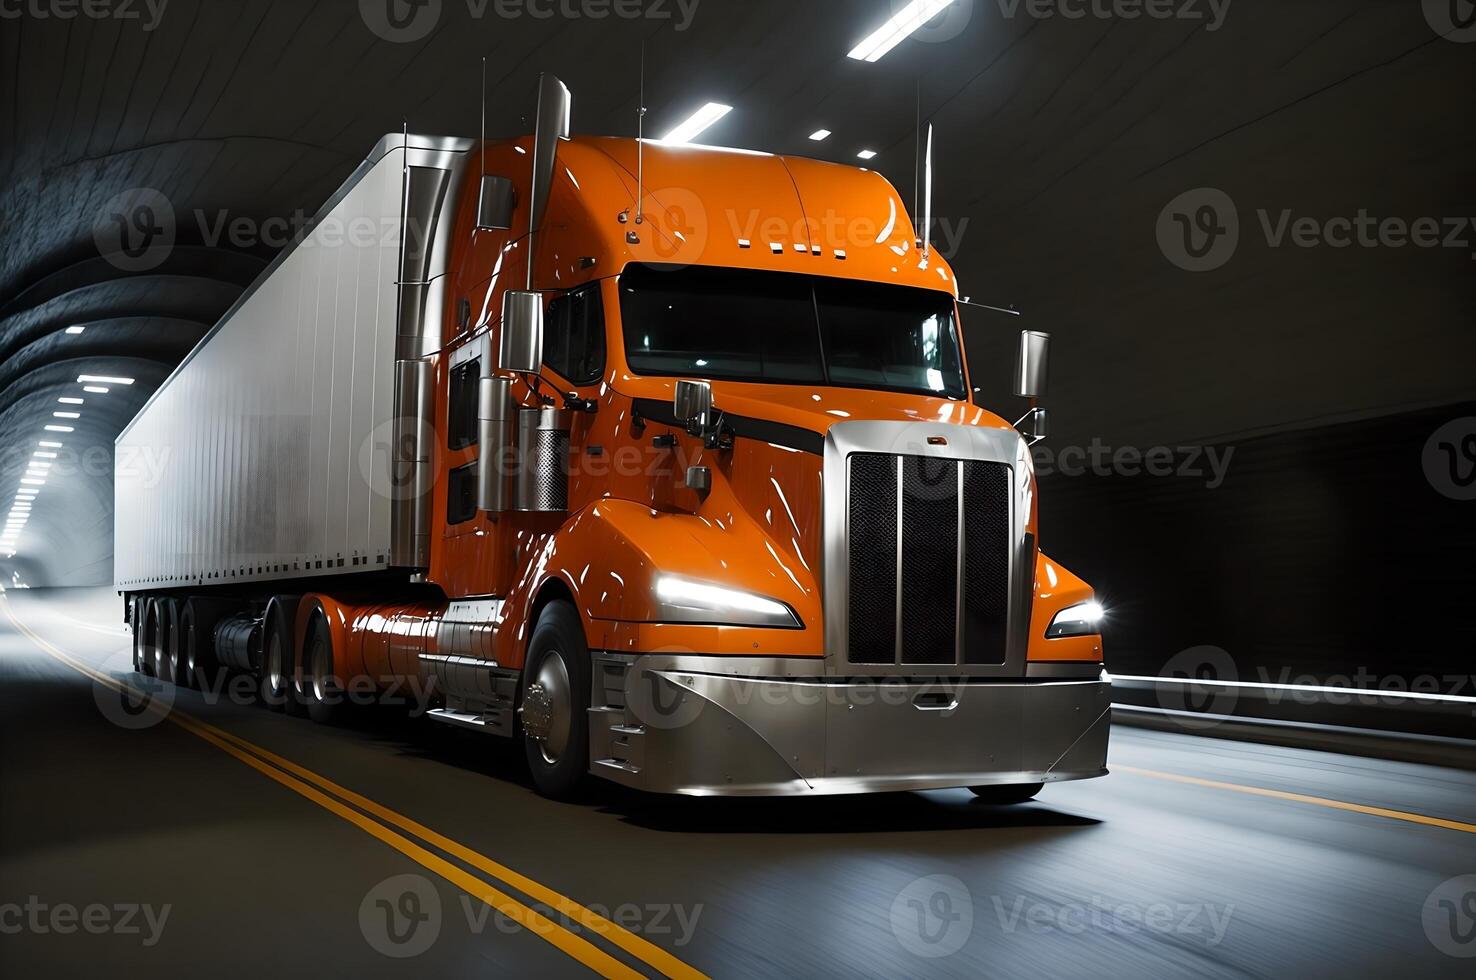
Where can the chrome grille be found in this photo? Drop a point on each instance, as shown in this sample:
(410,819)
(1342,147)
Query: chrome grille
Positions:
(928,546)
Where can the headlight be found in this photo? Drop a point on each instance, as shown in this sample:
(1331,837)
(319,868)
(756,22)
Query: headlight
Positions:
(681,600)
(1082,619)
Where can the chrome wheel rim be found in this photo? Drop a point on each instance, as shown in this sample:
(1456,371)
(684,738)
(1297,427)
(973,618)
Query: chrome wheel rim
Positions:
(548,708)
(274,663)
(321,682)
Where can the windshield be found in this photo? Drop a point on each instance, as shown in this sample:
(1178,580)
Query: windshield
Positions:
(782,328)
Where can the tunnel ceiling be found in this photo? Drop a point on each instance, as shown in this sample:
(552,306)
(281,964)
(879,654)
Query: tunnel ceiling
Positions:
(1059,141)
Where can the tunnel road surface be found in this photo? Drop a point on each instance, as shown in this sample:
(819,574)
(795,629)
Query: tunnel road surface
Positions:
(205,835)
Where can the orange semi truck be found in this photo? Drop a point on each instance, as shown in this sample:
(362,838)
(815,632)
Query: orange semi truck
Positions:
(662,459)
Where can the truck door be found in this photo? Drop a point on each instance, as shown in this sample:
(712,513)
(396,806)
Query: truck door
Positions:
(574,356)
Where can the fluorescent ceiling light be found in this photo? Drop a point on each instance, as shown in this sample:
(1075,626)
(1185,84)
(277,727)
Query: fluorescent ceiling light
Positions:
(43,454)
(49,444)
(59,428)
(866,154)
(701,119)
(75,329)
(894,31)
(95,389)
(820,134)
(68,400)
(66,415)
(102,379)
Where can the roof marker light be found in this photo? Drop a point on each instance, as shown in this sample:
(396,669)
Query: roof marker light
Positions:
(903,23)
(694,125)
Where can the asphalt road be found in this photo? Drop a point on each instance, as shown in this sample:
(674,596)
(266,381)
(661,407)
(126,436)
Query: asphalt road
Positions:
(228,840)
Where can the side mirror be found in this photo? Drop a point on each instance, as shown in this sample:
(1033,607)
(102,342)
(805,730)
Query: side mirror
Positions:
(1032,364)
(521,349)
(495,201)
(1034,425)
(693,404)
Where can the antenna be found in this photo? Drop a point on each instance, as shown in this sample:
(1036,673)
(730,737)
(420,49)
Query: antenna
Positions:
(640,142)
(916,138)
(482,150)
(928,195)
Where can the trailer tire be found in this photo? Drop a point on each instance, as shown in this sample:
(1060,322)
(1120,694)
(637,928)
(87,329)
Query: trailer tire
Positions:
(555,703)
(179,666)
(159,651)
(136,621)
(1005,794)
(323,690)
(274,681)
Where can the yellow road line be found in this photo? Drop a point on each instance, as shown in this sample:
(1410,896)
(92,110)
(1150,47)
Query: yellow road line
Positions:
(258,757)
(1375,811)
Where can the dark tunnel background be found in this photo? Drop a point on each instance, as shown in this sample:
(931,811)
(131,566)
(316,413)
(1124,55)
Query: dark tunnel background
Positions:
(1337,536)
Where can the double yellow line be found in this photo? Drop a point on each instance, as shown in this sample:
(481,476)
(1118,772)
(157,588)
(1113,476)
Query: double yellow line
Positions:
(385,826)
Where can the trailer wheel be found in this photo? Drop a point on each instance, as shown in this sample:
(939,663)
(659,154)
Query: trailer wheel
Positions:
(274,681)
(179,660)
(159,650)
(149,627)
(1007,793)
(555,703)
(324,690)
(136,621)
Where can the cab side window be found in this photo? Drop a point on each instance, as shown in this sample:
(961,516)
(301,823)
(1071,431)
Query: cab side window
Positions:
(574,335)
(462,409)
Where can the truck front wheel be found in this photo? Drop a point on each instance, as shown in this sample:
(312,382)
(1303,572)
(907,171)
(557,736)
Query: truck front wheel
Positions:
(555,709)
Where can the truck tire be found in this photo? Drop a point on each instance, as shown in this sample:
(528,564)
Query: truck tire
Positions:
(149,625)
(159,651)
(555,703)
(274,681)
(323,690)
(1006,793)
(136,622)
(179,665)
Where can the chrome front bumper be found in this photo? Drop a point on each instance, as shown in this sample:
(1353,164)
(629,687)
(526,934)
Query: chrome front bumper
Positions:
(712,726)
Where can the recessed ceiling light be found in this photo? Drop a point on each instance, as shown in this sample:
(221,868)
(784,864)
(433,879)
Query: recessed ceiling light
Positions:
(894,31)
(49,444)
(33,482)
(820,134)
(688,130)
(43,454)
(59,428)
(66,415)
(75,329)
(866,154)
(102,379)
(70,401)
(95,389)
